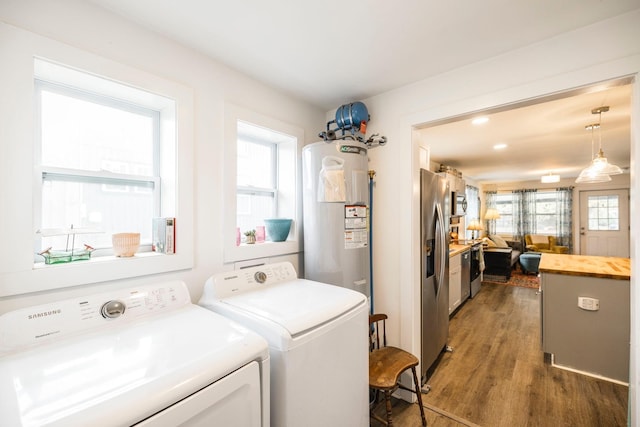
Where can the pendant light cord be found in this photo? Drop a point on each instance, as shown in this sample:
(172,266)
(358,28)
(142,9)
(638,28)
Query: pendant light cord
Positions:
(599,131)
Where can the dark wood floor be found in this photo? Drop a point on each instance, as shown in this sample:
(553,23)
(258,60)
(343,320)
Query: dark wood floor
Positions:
(496,375)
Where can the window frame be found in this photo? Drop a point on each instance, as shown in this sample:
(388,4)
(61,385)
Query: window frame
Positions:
(21,275)
(54,173)
(504,216)
(472,195)
(553,217)
(540,194)
(289,183)
(608,208)
(266,191)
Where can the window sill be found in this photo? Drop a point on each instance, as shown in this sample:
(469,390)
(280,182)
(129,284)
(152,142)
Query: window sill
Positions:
(43,277)
(100,259)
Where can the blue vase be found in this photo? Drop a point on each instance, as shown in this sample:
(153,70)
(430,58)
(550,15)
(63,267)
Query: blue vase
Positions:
(277,229)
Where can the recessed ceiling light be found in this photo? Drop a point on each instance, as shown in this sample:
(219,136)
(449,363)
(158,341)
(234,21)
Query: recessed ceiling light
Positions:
(500,146)
(480,120)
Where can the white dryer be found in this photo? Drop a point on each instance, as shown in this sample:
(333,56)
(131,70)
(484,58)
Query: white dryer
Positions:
(318,342)
(145,356)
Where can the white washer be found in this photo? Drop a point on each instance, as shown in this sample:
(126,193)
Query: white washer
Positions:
(145,356)
(318,342)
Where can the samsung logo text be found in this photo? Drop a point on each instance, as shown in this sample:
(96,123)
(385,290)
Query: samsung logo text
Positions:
(44,314)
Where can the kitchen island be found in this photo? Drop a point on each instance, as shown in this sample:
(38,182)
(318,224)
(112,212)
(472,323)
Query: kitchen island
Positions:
(585,314)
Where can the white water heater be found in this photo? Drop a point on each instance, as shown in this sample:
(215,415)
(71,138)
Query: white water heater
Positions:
(336,214)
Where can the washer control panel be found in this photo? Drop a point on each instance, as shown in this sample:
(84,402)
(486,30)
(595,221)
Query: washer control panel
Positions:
(34,325)
(249,279)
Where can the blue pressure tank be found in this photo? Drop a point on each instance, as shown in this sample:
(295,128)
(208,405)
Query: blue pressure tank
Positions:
(350,116)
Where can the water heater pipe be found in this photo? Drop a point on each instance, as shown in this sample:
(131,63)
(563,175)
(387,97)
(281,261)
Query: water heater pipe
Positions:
(372,173)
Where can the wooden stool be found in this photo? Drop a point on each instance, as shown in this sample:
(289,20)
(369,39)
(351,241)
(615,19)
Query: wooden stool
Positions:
(386,364)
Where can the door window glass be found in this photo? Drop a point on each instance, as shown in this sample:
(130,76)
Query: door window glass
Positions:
(603,213)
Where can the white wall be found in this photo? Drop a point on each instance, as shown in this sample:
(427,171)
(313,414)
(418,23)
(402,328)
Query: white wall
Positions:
(85,27)
(600,52)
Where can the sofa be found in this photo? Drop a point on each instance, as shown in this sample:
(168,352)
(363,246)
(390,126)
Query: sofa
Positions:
(500,257)
(544,244)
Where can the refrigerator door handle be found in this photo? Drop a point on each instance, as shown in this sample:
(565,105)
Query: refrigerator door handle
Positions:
(440,245)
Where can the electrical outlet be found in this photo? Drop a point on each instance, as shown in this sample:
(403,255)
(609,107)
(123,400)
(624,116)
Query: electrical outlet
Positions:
(589,304)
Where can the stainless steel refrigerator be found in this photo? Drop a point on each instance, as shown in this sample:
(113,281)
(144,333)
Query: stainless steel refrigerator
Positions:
(435,210)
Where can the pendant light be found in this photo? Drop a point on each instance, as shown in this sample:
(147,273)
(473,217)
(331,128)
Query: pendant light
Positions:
(590,174)
(599,170)
(600,163)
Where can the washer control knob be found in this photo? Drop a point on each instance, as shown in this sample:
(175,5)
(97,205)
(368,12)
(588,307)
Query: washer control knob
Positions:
(112,309)
(260,276)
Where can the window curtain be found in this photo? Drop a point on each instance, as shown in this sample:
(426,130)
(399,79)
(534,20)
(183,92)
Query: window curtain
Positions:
(564,209)
(490,199)
(524,214)
(473,202)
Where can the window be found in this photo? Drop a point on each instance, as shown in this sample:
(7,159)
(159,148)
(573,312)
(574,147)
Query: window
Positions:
(262,162)
(603,213)
(77,70)
(473,206)
(257,174)
(504,205)
(260,165)
(98,157)
(543,213)
(546,213)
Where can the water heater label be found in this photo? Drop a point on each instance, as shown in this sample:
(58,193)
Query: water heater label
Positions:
(355,223)
(355,227)
(355,211)
(355,239)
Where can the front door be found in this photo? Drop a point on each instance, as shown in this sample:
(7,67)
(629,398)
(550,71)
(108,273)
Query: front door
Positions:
(604,223)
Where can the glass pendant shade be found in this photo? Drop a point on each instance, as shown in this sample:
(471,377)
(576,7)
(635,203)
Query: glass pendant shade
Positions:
(592,175)
(601,165)
(599,170)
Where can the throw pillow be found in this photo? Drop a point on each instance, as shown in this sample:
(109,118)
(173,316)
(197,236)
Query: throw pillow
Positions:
(499,241)
(537,239)
(488,242)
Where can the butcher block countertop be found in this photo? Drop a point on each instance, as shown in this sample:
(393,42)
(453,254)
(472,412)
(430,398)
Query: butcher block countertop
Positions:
(455,249)
(583,265)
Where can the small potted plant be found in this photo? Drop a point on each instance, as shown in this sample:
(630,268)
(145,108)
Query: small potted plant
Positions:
(250,237)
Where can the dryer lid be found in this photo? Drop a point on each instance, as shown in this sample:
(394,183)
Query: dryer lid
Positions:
(298,305)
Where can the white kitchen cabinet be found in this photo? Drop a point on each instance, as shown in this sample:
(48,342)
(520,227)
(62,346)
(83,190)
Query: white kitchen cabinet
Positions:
(455,282)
